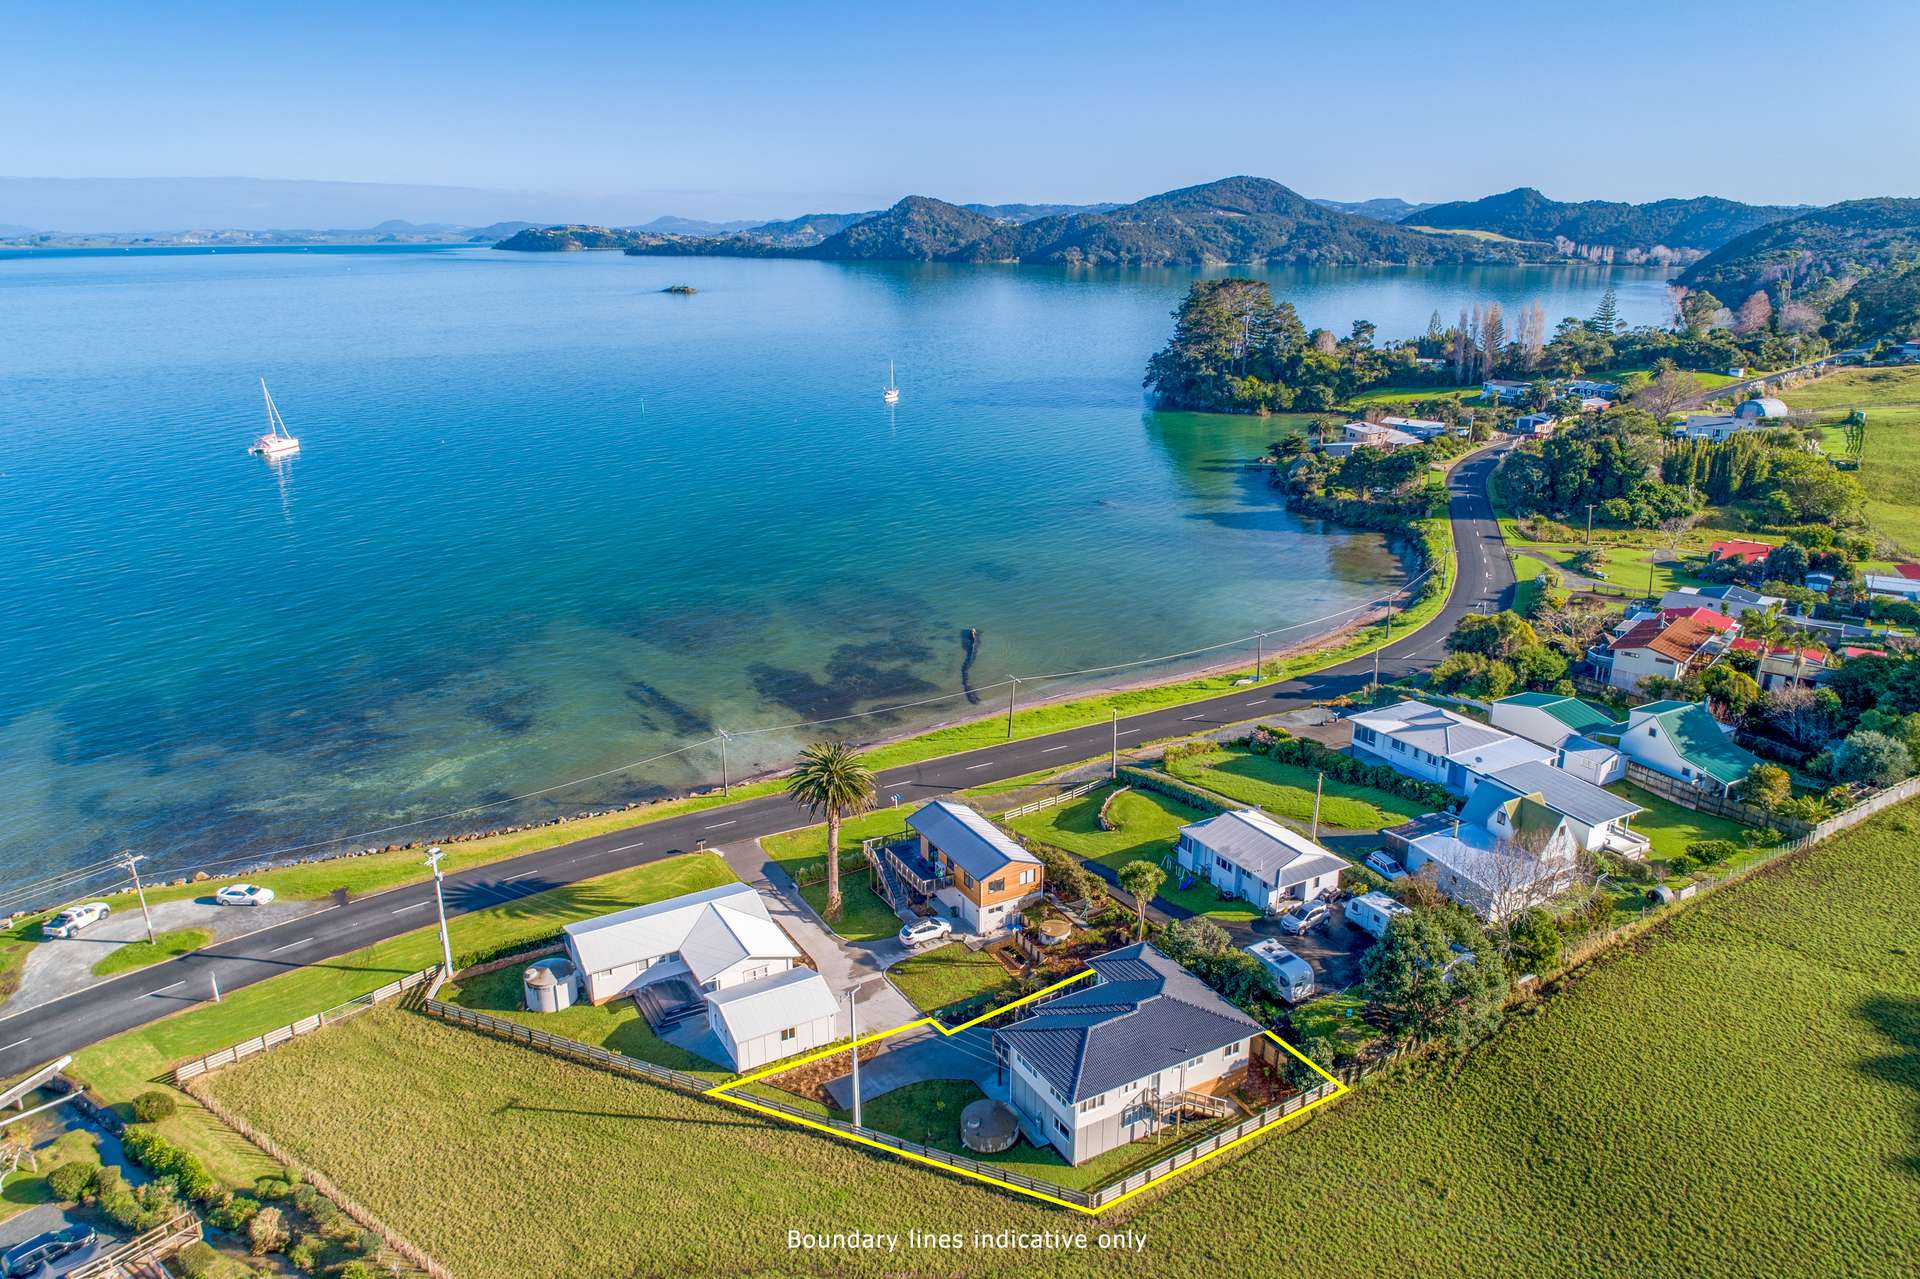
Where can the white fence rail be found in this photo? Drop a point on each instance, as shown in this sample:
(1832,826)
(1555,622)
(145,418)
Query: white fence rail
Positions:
(306,1025)
(1065,795)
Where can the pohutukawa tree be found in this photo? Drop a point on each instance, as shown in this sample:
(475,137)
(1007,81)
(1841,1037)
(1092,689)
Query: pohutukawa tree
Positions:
(831,781)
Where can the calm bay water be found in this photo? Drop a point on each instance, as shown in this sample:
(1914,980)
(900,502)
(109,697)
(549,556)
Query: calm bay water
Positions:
(548,520)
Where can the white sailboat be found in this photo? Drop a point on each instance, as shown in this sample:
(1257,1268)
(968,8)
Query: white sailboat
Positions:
(892,394)
(278,441)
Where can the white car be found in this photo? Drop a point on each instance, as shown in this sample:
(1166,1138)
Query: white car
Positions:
(925,932)
(243,895)
(70,921)
(1384,866)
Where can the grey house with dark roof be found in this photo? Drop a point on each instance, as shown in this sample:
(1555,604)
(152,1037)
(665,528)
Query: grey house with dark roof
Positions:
(1110,1063)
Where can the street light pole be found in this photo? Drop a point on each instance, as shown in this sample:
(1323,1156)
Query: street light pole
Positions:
(853,1046)
(726,787)
(434,855)
(1012,694)
(1590,523)
(132,863)
(1113,771)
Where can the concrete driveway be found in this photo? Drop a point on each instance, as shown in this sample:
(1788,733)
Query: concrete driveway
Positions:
(59,967)
(918,1056)
(846,965)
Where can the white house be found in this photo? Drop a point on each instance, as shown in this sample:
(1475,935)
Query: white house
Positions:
(1685,742)
(1253,857)
(1535,423)
(1115,1061)
(1595,817)
(1670,644)
(1420,427)
(1504,391)
(1591,761)
(718,937)
(721,943)
(1367,434)
(1715,426)
(1438,745)
(1586,388)
(1504,854)
(762,1021)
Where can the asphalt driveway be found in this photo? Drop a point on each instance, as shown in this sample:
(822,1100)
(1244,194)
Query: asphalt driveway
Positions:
(919,1056)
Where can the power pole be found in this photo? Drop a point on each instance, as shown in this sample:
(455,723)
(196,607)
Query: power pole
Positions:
(1590,523)
(726,787)
(1376,672)
(1318,782)
(1256,657)
(853,1046)
(1012,694)
(1113,771)
(434,855)
(132,862)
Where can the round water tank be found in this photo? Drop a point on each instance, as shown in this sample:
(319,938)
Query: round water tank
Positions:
(988,1126)
(548,986)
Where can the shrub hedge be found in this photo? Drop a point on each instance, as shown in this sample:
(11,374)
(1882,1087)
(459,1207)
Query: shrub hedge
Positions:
(1278,744)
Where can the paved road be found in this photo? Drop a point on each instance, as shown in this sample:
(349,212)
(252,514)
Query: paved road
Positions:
(40,1034)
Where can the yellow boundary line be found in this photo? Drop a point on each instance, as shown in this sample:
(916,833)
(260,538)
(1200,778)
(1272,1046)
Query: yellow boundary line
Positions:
(724,1092)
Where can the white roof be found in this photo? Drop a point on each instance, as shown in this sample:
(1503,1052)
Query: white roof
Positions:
(1433,729)
(1415,424)
(757,1008)
(1891,584)
(1494,756)
(1483,866)
(1374,433)
(1270,952)
(1255,842)
(710,930)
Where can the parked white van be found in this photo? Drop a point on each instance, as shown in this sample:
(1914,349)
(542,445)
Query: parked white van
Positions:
(1372,912)
(1292,975)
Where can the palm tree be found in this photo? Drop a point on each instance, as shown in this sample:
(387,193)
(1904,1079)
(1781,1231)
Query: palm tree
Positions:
(833,781)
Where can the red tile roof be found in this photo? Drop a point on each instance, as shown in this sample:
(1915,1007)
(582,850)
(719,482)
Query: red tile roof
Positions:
(1748,644)
(1680,640)
(1909,571)
(1706,616)
(1738,549)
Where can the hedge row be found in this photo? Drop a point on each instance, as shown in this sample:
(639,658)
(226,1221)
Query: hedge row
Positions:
(1204,800)
(1278,744)
(167,1161)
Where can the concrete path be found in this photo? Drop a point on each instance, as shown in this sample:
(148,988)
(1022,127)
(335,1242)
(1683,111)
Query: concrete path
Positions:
(847,965)
(918,1056)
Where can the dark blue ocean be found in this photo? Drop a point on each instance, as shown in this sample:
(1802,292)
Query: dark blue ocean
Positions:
(547,520)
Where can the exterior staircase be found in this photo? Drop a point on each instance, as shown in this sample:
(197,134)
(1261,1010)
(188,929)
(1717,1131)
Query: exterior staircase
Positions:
(662,1013)
(1167,1105)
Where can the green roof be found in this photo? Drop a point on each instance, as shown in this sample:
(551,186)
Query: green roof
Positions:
(1696,735)
(1581,717)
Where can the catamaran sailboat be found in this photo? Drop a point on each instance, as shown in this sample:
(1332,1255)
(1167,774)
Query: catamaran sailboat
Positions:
(892,394)
(277,442)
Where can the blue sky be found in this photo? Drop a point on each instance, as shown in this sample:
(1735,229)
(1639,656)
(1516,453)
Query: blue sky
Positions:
(763,110)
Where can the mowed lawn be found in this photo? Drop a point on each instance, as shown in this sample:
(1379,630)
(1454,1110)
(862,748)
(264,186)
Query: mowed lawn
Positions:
(1286,790)
(950,974)
(1735,1095)
(1890,461)
(1147,826)
(1669,827)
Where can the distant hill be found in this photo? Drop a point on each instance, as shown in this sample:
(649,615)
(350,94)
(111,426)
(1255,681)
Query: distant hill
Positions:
(1383,209)
(1854,241)
(806,230)
(1032,212)
(671,224)
(1235,220)
(1701,224)
(569,239)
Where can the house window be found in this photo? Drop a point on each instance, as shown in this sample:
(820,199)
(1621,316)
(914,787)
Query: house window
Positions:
(1222,863)
(1093,1103)
(1026,876)
(1364,734)
(1231,1050)
(789,1034)
(1061,1125)
(997,885)
(1398,745)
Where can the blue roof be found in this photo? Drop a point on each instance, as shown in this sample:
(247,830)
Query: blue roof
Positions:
(974,844)
(1145,1015)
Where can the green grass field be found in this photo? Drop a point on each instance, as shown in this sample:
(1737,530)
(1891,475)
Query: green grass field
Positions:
(1286,790)
(1890,461)
(1409,394)
(948,975)
(138,954)
(1733,1095)
(1148,825)
(1669,827)
(120,1068)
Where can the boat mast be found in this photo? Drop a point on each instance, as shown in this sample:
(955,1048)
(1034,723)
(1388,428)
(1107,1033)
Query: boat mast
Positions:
(275,426)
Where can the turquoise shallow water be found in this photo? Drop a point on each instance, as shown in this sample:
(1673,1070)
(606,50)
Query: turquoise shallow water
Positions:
(547,520)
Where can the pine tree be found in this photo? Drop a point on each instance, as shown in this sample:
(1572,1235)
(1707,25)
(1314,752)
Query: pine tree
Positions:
(1606,316)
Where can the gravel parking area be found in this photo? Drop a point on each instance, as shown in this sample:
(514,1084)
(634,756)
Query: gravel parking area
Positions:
(1333,949)
(57,968)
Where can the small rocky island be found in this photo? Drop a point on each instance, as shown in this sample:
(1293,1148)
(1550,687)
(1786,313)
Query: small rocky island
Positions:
(680,288)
